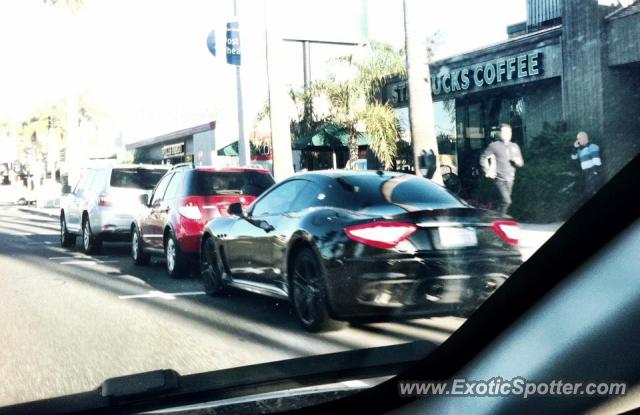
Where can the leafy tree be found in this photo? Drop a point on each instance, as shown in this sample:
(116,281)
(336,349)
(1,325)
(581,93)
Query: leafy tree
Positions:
(354,92)
(71,5)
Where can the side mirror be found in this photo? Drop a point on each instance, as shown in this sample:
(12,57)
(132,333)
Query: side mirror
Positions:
(144,199)
(235,209)
(66,189)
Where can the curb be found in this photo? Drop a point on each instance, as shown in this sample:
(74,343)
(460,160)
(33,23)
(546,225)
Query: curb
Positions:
(38,212)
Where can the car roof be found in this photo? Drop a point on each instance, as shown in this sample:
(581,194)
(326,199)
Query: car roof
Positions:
(232,169)
(129,166)
(336,174)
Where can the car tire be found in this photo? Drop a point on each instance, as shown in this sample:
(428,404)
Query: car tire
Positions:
(67,240)
(22,202)
(309,294)
(210,269)
(139,256)
(177,263)
(91,244)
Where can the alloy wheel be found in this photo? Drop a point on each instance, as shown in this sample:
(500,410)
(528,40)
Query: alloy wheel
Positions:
(306,292)
(63,227)
(86,236)
(134,245)
(171,255)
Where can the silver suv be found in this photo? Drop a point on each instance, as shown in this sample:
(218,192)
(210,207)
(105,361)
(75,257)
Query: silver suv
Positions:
(104,203)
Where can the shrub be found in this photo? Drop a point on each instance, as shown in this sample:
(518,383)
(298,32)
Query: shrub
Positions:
(548,188)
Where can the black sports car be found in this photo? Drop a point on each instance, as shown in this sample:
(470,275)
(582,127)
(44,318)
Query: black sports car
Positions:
(361,246)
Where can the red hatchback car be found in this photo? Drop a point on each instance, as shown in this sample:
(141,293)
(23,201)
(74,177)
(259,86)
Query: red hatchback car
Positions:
(182,203)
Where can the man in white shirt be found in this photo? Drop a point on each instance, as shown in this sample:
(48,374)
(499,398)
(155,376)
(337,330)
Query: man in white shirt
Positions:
(505,158)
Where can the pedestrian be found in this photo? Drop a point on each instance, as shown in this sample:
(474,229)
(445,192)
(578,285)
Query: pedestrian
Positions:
(505,158)
(590,163)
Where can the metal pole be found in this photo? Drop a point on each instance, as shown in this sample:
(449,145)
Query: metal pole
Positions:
(365,20)
(421,117)
(278,100)
(306,62)
(244,145)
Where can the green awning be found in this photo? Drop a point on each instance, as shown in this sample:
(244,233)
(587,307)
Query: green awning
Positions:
(329,136)
(232,150)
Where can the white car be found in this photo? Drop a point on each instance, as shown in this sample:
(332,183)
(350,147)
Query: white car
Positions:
(15,194)
(103,204)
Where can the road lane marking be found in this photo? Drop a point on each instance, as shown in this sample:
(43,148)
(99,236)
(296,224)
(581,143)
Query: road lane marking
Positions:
(15,227)
(161,295)
(79,256)
(88,262)
(14,232)
(80,262)
(69,257)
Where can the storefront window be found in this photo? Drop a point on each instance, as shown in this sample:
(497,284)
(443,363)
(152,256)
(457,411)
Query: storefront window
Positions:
(474,130)
(445,123)
(477,124)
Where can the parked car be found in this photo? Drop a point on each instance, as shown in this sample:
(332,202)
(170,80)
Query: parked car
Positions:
(13,193)
(361,246)
(181,205)
(104,202)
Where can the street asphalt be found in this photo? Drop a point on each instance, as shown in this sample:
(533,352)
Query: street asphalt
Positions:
(70,321)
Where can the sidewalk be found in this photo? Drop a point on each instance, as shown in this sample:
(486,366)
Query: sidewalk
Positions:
(47,212)
(533,236)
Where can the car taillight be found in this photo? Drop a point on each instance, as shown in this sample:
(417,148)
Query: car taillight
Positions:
(104,200)
(508,231)
(385,235)
(190,209)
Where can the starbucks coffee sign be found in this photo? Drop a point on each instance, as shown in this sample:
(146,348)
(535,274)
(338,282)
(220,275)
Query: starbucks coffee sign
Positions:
(475,77)
(486,74)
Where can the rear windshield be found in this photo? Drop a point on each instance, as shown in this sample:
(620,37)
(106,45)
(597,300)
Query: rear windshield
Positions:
(231,183)
(145,179)
(406,191)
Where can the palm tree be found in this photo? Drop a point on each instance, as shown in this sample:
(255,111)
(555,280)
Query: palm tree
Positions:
(40,128)
(71,5)
(355,100)
(48,127)
(423,136)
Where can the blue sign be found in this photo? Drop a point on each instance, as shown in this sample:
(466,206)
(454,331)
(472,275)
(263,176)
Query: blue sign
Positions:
(211,42)
(233,43)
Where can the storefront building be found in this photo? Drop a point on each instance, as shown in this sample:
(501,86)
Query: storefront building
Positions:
(573,62)
(195,144)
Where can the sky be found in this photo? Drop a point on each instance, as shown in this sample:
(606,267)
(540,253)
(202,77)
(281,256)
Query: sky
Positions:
(145,62)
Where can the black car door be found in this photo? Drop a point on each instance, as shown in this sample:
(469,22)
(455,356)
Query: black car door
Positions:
(153,221)
(249,247)
(288,224)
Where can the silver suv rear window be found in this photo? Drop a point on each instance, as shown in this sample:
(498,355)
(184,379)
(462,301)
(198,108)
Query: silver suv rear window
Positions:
(136,178)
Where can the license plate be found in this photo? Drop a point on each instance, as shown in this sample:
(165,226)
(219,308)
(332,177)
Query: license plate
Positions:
(451,237)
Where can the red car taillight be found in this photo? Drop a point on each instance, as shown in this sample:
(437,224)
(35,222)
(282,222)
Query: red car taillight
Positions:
(190,208)
(104,200)
(385,235)
(508,231)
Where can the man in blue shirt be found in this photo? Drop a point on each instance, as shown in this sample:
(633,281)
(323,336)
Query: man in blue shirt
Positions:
(590,163)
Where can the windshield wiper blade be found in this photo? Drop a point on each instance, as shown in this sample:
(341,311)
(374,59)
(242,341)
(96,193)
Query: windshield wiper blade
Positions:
(166,388)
